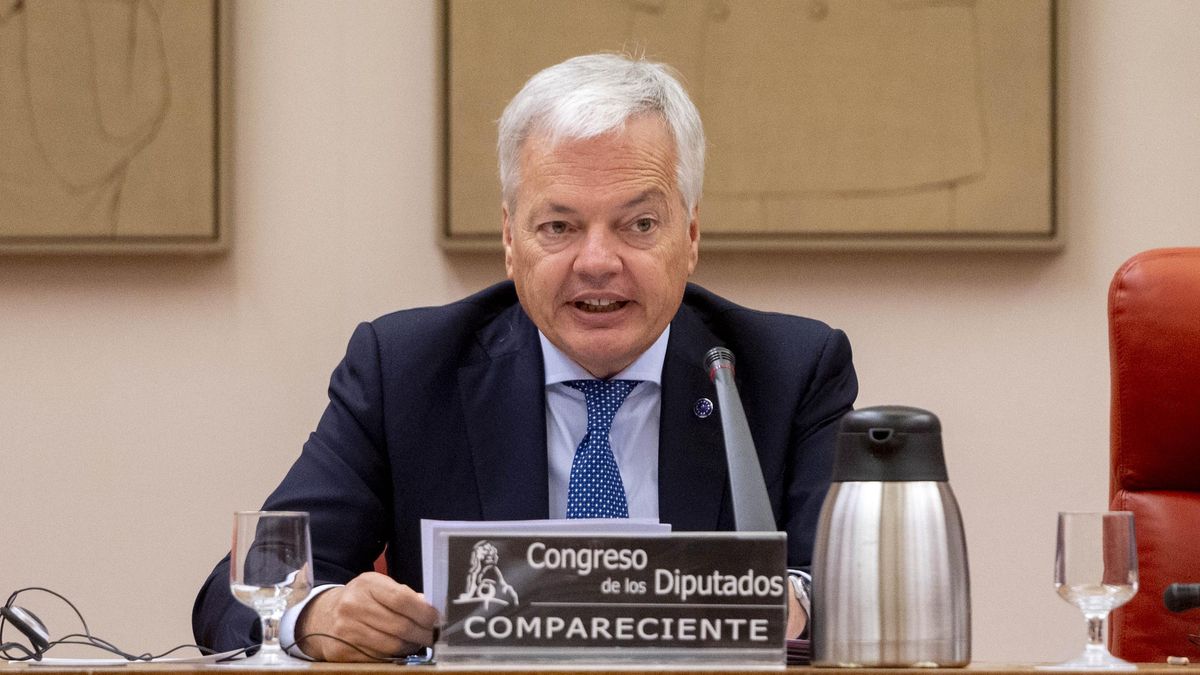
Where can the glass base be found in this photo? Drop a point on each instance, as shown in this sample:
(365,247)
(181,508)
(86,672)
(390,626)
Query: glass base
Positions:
(268,658)
(1092,658)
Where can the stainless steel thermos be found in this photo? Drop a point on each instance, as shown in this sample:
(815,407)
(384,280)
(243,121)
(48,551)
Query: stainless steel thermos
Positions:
(890,584)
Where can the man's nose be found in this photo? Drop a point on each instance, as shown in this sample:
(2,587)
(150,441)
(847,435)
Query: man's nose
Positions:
(599,253)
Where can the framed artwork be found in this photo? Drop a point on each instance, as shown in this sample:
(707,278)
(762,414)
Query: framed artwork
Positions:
(114,126)
(846,124)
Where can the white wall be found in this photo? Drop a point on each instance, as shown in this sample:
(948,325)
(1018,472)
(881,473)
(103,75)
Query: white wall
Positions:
(143,400)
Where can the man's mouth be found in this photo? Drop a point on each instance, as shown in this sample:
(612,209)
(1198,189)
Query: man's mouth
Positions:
(600,306)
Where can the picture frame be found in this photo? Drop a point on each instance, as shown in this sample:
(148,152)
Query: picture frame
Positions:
(831,124)
(117,127)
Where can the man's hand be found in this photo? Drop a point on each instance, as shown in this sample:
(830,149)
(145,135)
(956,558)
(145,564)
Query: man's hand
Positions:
(372,612)
(797,619)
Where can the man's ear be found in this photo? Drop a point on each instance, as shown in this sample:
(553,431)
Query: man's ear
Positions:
(694,237)
(506,238)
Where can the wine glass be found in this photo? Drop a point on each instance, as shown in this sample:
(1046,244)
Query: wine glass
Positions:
(1095,569)
(270,570)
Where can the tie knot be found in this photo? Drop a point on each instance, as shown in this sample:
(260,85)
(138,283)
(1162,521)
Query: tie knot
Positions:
(604,391)
(603,397)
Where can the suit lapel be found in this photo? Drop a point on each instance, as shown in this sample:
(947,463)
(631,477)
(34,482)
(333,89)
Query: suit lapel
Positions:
(503,397)
(691,453)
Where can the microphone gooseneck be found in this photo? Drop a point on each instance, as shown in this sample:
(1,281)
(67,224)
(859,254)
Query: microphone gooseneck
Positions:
(751,506)
(1182,597)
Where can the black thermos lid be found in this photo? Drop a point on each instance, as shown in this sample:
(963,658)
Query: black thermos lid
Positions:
(889,443)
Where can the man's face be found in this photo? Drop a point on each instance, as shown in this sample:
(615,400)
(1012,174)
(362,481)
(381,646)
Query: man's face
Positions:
(599,243)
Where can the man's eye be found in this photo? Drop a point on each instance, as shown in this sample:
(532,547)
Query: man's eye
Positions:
(555,227)
(644,225)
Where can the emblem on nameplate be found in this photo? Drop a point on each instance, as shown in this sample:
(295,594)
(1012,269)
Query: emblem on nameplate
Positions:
(485,582)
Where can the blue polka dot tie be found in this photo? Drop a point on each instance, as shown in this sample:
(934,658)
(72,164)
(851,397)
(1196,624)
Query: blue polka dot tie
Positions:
(596,490)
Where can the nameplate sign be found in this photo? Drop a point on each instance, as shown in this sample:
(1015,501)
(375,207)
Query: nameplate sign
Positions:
(707,597)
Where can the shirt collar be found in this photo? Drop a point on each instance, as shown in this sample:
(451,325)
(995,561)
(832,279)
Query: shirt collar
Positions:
(648,367)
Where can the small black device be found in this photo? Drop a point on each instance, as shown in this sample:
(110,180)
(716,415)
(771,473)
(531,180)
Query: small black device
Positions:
(31,626)
(39,638)
(1182,597)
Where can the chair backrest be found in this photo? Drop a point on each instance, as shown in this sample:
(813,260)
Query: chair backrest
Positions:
(1154,348)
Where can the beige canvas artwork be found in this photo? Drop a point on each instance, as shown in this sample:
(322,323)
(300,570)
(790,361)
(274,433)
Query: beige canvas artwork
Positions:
(108,125)
(830,122)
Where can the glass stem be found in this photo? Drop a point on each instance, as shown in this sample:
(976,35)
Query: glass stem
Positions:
(270,631)
(1095,624)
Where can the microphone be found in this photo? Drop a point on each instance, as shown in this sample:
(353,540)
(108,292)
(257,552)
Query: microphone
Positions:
(1180,597)
(751,507)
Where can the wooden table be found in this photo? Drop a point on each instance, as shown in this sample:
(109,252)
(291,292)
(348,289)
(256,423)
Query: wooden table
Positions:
(377,669)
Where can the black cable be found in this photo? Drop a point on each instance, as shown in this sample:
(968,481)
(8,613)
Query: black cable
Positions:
(4,647)
(425,659)
(84,639)
(13,597)
(100,643)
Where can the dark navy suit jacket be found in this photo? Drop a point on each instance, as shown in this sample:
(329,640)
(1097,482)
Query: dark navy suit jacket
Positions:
(440,413)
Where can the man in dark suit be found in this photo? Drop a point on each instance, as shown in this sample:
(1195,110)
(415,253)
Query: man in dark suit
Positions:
(474,411)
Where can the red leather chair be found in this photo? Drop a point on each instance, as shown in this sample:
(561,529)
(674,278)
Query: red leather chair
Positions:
(1154,347)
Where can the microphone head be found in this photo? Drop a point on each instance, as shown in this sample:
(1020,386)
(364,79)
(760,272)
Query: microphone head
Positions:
(717,358)
(1182,597)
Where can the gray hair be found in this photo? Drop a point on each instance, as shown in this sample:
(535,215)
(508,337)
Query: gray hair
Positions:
(589,96)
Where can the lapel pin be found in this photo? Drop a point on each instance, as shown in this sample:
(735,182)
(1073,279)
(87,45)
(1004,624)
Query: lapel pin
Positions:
(703,408)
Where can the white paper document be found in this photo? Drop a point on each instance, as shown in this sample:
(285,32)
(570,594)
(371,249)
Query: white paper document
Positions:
(434,549)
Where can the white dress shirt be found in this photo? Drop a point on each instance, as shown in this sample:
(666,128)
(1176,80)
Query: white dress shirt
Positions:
(634,432)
